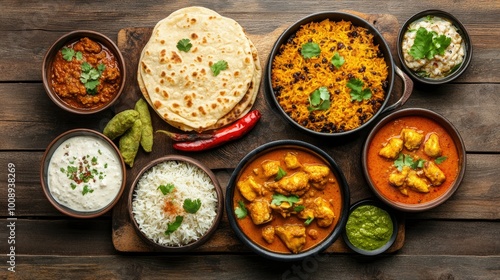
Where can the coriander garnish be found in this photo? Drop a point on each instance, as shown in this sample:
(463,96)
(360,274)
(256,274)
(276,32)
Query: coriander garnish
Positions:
(337,60)
(166,189)
(281,174)
(173,226)
(184,45)
(240,211)
(310,50)
(191,206)
(427,44)
(357,91)
(279,198)
(319,99)
(218,66)
(90,77)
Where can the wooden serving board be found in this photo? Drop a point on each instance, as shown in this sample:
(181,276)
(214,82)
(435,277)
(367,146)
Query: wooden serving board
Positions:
(131,42)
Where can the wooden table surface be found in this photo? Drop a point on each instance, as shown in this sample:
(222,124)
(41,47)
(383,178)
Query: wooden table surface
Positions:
(457,240)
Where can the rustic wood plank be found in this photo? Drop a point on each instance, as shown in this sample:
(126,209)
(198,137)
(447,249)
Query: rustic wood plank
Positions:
(252,267)
(476,198)
(73,237)
(44,21)
(472,109)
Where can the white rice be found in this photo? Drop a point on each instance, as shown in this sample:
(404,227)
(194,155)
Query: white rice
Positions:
(190,182)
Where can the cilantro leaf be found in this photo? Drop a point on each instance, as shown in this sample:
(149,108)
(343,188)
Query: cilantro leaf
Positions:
(86,190)
(67,53)
(309,221)
(310,50)
(298,208)
(281,174)
(191,206)
(427,44)
(79,55)
(166,189)
(86,67)
(407,160)
(319,99)
(279,198)
(357,91)
(173,226)
(241,211)
(184,45)
(337,60)
(218,66)
(440,160)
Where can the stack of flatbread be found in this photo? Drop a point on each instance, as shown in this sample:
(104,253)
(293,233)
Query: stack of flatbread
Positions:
(181,86)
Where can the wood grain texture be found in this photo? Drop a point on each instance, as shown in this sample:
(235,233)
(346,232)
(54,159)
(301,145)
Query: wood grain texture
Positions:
(457,240)
(252,267)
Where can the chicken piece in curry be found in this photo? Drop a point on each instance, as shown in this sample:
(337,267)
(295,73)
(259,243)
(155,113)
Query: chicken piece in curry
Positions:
(289,194)
(392,149)
(411,138)
(432,147)
(413,172)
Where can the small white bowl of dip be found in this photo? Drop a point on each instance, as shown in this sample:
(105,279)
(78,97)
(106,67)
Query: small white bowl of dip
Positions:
(82,173)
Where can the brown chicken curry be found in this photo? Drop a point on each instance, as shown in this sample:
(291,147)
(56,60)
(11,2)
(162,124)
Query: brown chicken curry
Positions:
(287,200)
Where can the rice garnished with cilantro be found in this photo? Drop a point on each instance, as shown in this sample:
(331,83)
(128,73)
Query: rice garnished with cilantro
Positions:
(174,203)
(330,76)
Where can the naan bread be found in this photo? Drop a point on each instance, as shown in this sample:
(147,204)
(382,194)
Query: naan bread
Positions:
(180,85)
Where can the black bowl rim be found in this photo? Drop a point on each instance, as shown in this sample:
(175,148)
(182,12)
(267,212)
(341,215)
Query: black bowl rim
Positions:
(344,188)
(321,16)
(461,30)
(210,231)
(395,229)
(454,134)
(70,37)
(54,144)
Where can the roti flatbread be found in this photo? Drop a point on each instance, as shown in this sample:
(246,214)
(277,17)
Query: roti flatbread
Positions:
(180,85)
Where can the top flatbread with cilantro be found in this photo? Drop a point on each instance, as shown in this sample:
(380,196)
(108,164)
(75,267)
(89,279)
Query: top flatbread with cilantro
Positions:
(181,86)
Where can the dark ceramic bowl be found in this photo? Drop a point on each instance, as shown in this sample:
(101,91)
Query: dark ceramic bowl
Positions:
(64,41)
(448,128)
(341,217)
(206,236)
(378,40)
(461,30)
(46,159)
(384,247)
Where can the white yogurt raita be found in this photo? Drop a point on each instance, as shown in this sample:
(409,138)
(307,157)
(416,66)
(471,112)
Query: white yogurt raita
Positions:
(84,173)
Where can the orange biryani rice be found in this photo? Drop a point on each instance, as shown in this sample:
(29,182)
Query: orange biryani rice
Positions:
(295,78)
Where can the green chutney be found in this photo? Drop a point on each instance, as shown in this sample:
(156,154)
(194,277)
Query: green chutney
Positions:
(369,227)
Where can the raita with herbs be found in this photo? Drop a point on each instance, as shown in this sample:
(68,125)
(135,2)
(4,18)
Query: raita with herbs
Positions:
(84,173)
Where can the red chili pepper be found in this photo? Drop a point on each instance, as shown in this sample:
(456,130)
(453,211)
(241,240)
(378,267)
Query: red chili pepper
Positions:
(223,135)
(186,136)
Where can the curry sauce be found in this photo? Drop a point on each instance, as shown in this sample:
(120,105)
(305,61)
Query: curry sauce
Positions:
(380,167)
(280,184)
(85,74)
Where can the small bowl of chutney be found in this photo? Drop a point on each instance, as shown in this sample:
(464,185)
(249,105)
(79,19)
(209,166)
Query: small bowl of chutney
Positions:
(371,227)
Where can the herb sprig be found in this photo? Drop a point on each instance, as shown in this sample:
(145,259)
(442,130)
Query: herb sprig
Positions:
(357,91)
(427,44)
(240,211)
(319,99)
(310,50)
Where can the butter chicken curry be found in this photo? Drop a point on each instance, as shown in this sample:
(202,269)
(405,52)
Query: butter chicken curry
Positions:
(287,200)
(412,160)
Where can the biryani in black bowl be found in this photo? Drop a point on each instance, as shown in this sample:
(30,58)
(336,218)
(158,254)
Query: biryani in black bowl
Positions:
(332,73)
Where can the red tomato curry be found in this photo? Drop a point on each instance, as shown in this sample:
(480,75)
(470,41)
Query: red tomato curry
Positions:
(85,74)
(380,167)
(284,226)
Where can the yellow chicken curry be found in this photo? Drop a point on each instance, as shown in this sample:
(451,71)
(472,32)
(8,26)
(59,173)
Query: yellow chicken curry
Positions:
(287,200)
(412,160)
